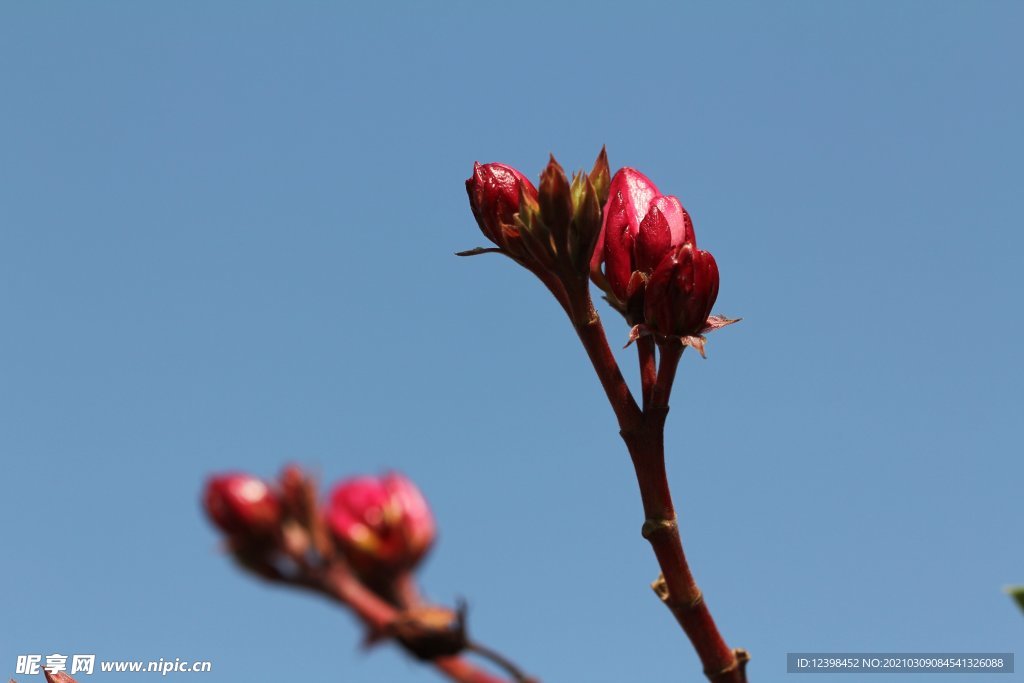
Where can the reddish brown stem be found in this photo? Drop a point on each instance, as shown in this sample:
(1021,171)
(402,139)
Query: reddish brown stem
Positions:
(501,661)
(338,583)
(676,587)
(671,351)
(648,368)
(459,669)
(643,432)
(403,591)
(591,333)
(407,594)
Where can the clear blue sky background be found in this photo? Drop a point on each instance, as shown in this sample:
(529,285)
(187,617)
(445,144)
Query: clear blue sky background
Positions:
(226,237)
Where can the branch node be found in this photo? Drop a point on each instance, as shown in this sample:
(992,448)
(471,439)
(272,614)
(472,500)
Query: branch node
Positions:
(660,588)
(738,666)
(480,250)
(591,320)
(653,526)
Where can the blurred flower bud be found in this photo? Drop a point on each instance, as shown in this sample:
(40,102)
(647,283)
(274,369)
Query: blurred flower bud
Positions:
(640,227)
(242,505)
(494,195)
(59,677)
(382,525)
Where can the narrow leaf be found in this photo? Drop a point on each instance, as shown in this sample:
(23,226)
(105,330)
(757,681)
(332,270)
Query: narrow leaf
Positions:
(479,250)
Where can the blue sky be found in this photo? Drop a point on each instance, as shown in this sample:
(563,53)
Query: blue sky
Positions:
(226,237)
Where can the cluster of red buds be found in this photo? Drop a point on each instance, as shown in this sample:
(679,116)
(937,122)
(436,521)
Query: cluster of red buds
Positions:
(373,530)
(635,243)
(555,228)
(381,526)
(359,545)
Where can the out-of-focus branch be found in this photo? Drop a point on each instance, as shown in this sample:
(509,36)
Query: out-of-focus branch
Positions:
(360,551)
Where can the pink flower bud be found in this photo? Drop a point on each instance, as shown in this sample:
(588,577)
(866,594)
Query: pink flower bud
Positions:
(381,524)
(242,505)
(681,292)
(494,197)
(641,226)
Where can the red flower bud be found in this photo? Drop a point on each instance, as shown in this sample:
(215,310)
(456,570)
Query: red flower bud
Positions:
(242,505)
(681,292)
(381,524)
(494,197)
(641,226)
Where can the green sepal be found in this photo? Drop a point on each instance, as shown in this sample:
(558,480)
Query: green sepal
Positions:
(586,225)
(601,177)
(555,202)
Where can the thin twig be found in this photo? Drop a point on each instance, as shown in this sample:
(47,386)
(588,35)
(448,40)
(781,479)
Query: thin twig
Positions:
(669,354)
(339,583)
(500,661)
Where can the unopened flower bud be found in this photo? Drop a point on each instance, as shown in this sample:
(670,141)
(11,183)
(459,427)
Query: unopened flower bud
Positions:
(640,227)
(600,176)
(555,201)
(494,195)
(382,525)
(242,505)
(553,231)
(681,293)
